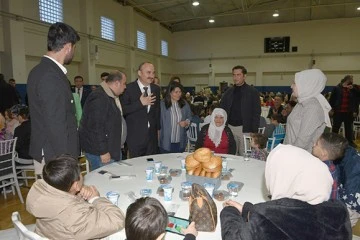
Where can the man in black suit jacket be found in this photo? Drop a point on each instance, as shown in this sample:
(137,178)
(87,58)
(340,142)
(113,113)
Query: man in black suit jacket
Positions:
(23,133)
(79,89)
(52,109)
(142,112)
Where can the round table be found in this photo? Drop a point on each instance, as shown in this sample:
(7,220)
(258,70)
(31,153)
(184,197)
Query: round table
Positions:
(251,173)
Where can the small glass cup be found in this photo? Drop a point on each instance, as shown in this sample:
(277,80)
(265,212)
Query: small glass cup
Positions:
(209,188)
(163,170)
(157,166)
(168,193)
(224,165)
(149,174)
(113,197)
(246,156)
(145,192)
(183,166)
(233,189)
(185,190)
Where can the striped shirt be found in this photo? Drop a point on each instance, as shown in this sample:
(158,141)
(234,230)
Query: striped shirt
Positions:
(176,116)
(305,124)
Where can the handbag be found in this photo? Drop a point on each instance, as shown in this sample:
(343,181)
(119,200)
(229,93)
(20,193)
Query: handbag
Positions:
(203,210)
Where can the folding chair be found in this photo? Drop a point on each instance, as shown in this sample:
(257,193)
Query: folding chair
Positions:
(247,144)
(192,136)
(8,175)
(24,166)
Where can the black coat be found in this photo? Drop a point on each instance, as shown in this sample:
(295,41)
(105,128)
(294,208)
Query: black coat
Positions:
(23,133)
(8,96)
(230,136)
(336,97)
(250,107)
(137,118)
(286,219)
(52,112)
(101,125)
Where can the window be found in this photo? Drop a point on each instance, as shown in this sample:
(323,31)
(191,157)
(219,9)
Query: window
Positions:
(51,11)
(141,40)
(107,28)
(164,48)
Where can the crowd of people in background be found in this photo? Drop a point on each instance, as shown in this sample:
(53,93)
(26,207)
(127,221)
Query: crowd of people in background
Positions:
(123,118)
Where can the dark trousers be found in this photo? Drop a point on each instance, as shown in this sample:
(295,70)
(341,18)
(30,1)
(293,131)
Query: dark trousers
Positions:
(150,148)
(348,119)
(174,148)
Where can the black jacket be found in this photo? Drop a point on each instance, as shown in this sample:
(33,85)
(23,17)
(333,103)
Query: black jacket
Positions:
(286,219)
(101,125)
(23,133)
(250,107)
(336,96)
(52,112)
(204,132)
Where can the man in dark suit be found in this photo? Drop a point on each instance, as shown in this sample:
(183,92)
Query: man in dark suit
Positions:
(141,106)
(52,109)
(79,89)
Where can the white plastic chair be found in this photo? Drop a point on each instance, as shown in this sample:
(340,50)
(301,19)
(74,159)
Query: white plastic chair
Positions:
(192,136)
(261,130)
(84,166)
(247,144)
(22,232)
(24,166)
(356,126)
(8,175)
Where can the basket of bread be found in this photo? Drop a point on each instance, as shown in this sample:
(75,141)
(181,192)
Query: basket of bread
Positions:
(203,166)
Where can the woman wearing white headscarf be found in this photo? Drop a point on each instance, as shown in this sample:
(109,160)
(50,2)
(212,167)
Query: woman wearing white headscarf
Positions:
(216,135)
(309,117)
(300,185)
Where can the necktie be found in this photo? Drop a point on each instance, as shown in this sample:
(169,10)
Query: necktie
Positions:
(145,91)
(78,90)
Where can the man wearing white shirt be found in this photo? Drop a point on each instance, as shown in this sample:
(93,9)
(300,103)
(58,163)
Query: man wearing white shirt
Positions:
(141,107)
(52,110)
(80,90)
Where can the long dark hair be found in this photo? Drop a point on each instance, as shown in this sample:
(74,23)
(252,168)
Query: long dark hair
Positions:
(171,87)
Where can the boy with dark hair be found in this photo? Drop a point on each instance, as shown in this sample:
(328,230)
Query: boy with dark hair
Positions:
(329,147)
(146,219)
(66,209)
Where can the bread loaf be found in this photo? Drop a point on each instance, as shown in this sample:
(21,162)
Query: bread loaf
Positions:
(203,163)
(202,154)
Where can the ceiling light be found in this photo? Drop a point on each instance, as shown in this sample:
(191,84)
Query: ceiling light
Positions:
(195,3)
(211,20)
(358,9)
(276,13)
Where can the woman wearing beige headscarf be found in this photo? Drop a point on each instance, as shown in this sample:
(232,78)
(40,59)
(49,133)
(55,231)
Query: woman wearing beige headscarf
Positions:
(309,117)
(300,185)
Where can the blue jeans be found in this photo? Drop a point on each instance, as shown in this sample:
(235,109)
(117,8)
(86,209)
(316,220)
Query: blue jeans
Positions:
(95,161)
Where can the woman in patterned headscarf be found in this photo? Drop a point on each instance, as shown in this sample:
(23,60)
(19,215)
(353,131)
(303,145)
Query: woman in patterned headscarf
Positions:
(216,135)
(310,116)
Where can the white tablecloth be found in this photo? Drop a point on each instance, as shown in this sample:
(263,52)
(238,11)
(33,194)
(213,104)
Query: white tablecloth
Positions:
(251,173)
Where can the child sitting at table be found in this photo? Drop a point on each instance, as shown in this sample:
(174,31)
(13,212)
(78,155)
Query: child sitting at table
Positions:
(279,132)
(65,208)
(146,219)
(258,145)
(329,147)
